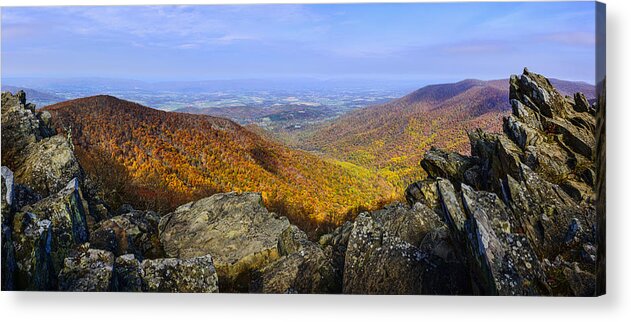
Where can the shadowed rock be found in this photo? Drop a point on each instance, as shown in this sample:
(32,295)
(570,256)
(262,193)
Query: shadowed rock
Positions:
(89,271)
(303,268)
(135,232)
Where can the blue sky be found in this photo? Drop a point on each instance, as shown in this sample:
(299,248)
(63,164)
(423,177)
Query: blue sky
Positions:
(428,41)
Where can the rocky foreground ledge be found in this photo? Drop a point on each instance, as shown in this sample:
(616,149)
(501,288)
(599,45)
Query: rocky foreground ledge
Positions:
(516,217)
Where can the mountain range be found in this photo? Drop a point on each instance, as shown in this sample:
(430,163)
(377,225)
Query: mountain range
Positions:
(392,137)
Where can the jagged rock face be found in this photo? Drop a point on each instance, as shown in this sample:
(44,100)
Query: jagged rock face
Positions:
(505,260)
(522,197)
(89,271)
(21,126)
(235,228)
(67,221)
(41,160)
(32,242)
(135,233)
(384,254)
(303,268)
(424,192)
(565,128)
(443,164)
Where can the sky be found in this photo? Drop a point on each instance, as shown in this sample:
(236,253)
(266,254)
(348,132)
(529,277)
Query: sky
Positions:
(428,41)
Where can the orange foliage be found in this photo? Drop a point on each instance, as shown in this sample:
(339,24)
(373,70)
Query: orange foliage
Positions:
(171,158)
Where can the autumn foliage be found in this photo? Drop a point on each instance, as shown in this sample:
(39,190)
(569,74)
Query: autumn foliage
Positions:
(391,138)
(159,160)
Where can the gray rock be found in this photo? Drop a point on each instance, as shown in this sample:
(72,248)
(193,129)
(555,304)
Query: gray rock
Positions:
(380,263)
(7,195)
(235,228)
(47,165)
(193,275)
(89,271)
(424,192)
(305,271)
(8,260)
(127,274)
(334,245)
(66,213)
(20,127)
(383,255)
(503,261)
(450,165)
(580,103)
(32,243)
(452,209)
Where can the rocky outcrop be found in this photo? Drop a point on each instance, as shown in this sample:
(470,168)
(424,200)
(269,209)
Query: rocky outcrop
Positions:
(32,243)
(523,197)
(235,228)
(41,160)
(21,126)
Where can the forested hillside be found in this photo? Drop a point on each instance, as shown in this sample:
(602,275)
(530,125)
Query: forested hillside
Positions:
(391,138)
(156,160)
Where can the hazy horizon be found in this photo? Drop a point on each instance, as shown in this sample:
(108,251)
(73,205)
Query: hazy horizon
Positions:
(428,42)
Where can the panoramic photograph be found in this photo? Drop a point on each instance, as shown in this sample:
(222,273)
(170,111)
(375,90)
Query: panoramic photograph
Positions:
(368,148)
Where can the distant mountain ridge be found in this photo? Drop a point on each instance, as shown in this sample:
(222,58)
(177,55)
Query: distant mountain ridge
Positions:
(393,136)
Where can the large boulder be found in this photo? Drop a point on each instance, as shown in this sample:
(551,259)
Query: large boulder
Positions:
(47,165)
(91,270)
(166,275)
(235,228)
(135,232)
(378,263)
